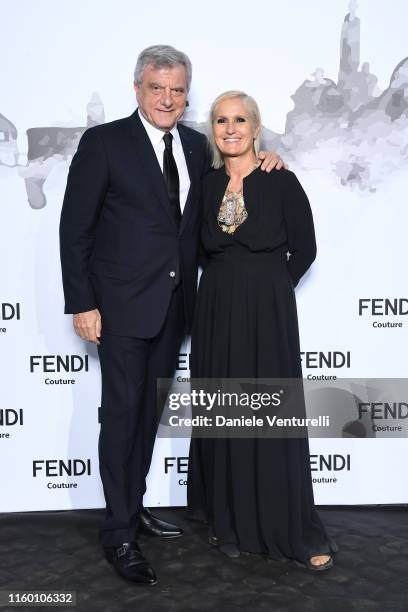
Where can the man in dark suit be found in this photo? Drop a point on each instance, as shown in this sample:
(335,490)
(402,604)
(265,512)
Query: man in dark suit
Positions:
(129,244)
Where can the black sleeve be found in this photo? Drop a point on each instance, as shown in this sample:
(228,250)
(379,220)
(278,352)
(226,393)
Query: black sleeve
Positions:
(84,195)
(207,167)
(207,157)
(299,227)
(203,259)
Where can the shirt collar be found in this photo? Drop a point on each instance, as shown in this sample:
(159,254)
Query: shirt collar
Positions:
(156,135)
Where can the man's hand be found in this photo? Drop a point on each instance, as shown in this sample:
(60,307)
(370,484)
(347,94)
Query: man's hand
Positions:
(271,160)
(88,325)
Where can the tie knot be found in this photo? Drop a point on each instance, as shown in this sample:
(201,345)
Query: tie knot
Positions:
(168,140)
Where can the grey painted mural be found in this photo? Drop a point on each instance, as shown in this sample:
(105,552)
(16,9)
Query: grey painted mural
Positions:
(8,142)
(49,145)
(349,127)
(346,127)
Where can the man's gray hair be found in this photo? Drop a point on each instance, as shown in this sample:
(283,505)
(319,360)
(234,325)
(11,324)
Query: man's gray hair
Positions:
(162,56)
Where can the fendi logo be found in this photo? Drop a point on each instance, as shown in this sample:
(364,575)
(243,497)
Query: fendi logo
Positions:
(180,464)
(59,363)
(10,417)
(61,468)
(332,360)
(52,468)
(383,307)
(330,463)
(10,311)
(177,464)
(183,362)
(329,359)
(384,411)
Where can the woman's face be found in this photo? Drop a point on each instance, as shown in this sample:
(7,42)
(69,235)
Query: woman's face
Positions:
(233,128)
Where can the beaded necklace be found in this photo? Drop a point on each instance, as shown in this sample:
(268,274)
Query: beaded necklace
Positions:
(232,211)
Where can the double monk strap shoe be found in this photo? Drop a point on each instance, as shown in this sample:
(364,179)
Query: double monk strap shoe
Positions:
(154,526)
(130,564)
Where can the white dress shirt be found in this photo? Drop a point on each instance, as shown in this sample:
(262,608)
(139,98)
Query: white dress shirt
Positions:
(156,138)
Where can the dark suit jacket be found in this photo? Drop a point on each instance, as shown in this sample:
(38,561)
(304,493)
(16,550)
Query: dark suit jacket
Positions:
(119,242)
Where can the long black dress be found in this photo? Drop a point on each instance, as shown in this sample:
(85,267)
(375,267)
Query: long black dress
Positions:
(254,493)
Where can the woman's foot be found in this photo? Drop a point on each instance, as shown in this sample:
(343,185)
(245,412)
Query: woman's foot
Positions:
(319,563)
(230,550)
(212,538)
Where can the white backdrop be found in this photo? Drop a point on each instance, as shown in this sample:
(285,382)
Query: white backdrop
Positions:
(340,122)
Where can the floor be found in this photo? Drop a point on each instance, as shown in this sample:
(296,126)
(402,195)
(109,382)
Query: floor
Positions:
(60,551)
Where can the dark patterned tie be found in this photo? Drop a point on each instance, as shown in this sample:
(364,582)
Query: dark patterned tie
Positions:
(171,178)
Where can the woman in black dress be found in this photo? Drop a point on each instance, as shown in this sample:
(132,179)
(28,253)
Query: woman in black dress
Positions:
(256,494)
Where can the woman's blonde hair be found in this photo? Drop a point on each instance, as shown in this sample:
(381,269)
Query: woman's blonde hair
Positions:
(252,107)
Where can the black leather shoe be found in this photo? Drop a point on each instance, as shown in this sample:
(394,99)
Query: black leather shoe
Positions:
(154,526)
(130,563)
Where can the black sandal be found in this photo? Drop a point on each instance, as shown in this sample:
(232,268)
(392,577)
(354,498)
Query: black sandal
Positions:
(319,568)
(230,550)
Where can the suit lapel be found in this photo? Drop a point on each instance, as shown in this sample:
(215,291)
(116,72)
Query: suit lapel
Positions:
(148,161)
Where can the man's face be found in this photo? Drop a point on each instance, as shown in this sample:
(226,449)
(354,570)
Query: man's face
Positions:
(162,95)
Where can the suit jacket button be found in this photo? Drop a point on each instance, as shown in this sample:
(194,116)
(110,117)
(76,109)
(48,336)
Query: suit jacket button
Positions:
(172,274)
